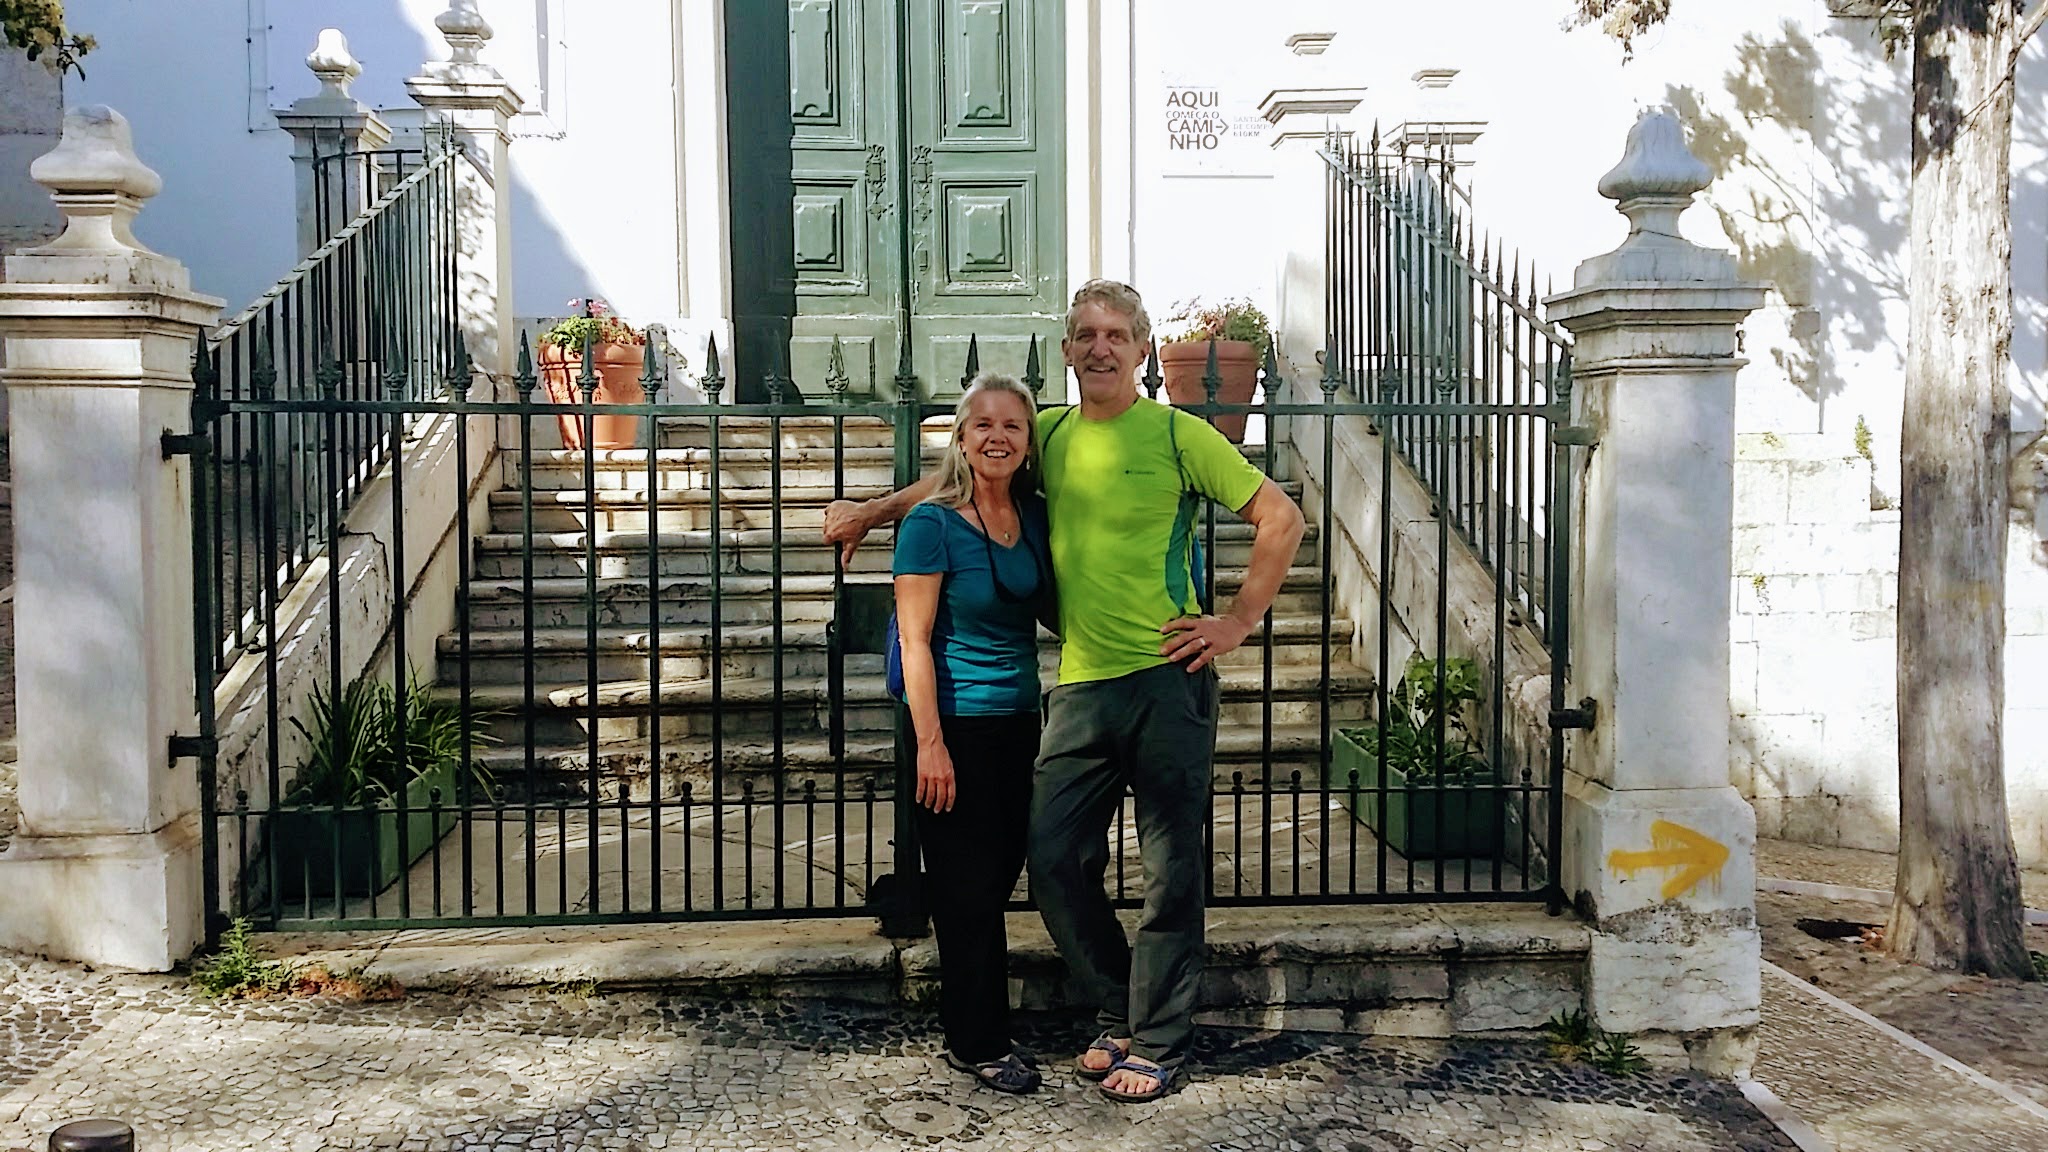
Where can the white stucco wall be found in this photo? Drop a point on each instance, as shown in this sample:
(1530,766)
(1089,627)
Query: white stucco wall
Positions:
(1797,110)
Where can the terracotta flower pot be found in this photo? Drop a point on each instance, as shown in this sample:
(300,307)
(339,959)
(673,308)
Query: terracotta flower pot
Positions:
(1183,363)
(618,368)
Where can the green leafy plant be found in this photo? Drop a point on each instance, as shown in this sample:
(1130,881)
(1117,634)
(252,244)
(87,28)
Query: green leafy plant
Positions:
(1863,440)
(1236,319)
(37,28)
(1615,1054)
(2040,965)
(354,746)
(1572,1037)
(1570,1034)
(238,969)
(591,321)
(1412,720)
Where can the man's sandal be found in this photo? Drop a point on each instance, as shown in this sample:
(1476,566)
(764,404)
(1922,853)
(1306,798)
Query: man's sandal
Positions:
(1165,1074)
(1103,1043)
(1010,1074)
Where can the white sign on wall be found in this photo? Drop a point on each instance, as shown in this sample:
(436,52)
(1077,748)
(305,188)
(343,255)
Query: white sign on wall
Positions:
(1209,130)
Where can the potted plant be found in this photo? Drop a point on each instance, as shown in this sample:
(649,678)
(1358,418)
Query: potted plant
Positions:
(344,801)
(1419,777)
(1242,336)
(616,357)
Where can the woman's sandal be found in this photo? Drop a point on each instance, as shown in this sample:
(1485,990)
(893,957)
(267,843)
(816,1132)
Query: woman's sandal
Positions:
(1103,1043)
(1010,1074)
(1165,1074)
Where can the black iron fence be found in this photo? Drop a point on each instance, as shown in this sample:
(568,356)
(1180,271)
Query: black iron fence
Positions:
(660,695)
(370,315)
(1423,310)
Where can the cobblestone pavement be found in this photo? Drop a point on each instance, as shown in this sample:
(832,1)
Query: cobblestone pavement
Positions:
(532,1070)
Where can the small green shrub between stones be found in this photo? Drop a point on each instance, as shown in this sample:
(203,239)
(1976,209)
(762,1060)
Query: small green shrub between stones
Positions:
(1615,1054)
(238,969)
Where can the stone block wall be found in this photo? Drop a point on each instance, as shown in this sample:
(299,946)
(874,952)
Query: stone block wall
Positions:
(1813,735)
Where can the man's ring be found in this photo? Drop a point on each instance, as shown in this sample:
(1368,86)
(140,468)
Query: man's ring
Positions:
(1204,640)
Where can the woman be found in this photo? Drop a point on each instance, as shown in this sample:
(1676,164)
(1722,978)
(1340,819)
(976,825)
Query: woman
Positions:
(973,573)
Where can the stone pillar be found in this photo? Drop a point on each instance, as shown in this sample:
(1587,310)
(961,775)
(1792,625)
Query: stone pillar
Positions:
(325,127)
(100,334)
(1659,847)
(469,99)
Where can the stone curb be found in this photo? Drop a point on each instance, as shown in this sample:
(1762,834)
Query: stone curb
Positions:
(1846,892)
(1787,1121)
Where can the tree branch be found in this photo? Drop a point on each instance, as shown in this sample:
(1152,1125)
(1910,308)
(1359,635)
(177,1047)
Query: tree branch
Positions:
(2031,25)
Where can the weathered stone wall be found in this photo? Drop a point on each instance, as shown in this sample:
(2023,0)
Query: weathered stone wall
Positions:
(1813,736)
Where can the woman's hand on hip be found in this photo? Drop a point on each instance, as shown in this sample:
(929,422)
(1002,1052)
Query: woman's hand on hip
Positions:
(934,776)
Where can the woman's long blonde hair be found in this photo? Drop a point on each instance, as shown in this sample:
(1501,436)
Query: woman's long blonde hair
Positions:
(956,479)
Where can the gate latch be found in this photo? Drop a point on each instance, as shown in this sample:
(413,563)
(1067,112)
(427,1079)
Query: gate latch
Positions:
(192,747)
(183,444)
(1581,717)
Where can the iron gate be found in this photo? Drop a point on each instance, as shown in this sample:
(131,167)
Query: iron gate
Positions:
(659,695)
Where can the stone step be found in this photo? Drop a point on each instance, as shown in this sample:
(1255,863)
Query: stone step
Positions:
(749,552)
(694,431)
(744,707)
(868,762)
(560,602)
(561,654)
(690,509)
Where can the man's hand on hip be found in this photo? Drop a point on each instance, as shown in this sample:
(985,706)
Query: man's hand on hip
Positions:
(846,524)
(1196,641)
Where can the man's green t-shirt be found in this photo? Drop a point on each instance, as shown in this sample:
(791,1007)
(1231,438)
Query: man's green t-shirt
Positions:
(1122,538)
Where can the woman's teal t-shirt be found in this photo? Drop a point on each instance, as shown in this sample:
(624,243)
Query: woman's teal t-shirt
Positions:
(984,648)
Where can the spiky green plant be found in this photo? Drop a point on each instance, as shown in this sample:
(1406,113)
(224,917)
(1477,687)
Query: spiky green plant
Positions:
(1615,1054)
(1570,1034)
(353,743)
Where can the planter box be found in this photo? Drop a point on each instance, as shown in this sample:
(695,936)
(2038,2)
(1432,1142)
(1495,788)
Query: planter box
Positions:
(1472,824)
(306,838)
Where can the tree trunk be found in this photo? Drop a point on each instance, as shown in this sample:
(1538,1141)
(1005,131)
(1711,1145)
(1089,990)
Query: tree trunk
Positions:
(1957,902)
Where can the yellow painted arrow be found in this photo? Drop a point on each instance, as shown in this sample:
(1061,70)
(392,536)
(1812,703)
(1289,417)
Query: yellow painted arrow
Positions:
(1674,846)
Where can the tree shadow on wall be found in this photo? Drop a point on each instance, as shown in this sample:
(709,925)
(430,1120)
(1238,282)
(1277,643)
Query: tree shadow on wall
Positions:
(1829,233)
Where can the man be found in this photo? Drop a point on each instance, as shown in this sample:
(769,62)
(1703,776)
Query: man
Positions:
(1137,700)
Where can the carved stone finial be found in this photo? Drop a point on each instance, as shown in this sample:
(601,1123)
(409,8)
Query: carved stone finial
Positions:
(465,29)
(99,184)
(1655,183)
(1658,175)
(331,62)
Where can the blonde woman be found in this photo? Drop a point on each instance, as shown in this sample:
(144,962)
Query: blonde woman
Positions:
(973,577)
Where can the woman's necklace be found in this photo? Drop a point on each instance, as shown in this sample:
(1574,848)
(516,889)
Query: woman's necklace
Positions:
(987,529)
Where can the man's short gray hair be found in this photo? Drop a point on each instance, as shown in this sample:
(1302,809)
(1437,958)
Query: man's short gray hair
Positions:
(1116,295)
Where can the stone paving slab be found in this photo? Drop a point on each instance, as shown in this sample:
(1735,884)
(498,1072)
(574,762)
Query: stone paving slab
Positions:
(1861,1089)
(530,1070)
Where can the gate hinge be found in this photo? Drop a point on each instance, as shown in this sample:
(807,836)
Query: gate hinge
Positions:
(1576,435)
(184,444)
(191,747)
(1581,717)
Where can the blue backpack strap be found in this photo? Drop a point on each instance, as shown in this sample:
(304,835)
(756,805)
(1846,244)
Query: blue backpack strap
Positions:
(1186,541)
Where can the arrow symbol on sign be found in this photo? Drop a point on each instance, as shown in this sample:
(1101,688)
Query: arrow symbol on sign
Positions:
(1696,857)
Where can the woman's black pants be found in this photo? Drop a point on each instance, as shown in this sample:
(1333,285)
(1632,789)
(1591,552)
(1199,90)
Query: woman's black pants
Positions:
(973,855)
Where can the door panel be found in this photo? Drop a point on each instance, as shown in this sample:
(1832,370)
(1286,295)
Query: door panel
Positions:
(843,127)
(987,244)
(825,202)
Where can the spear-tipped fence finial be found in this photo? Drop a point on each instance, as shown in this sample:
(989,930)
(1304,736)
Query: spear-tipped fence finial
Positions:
(522,375)
(1034,374)
(1152,369)
(836,381)
(714,380)
(973,360)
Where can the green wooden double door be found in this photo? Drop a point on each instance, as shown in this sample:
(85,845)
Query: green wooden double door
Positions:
(898,182)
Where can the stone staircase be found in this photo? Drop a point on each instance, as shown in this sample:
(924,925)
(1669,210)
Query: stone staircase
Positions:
(567,588)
